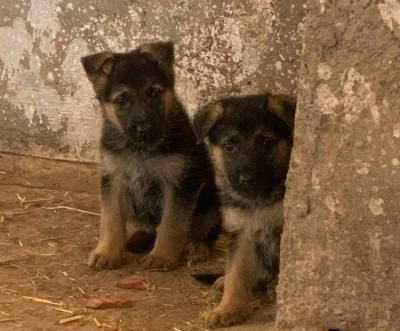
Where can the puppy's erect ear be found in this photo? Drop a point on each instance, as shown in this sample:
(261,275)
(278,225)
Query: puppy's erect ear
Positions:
(206,118)
(162,52)
(284,106)
(98,67)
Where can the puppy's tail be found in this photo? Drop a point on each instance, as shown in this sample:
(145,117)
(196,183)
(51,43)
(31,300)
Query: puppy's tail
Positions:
(206,278)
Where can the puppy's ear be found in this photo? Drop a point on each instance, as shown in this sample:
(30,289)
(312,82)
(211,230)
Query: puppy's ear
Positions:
(206,118)
(284,106)
(162,52)
(98,67)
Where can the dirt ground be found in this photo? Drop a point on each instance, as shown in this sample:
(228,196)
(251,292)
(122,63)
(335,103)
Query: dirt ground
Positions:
(43,252)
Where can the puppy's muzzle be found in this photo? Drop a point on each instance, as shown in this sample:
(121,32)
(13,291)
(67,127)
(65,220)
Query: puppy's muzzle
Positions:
(247,177)
(143,128)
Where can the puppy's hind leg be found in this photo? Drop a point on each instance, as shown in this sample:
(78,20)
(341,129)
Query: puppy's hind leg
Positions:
(205,228)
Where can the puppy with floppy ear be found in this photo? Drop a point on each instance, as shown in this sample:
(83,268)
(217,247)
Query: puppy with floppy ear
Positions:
(251,139)
(155,179)
(206,118)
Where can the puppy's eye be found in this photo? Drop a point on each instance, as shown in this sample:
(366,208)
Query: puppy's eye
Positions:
(121,100)
(266,142)
(154,93)
(229,147)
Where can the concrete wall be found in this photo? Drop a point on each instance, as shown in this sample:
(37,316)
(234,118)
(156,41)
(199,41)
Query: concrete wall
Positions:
(340,260)
(47,107)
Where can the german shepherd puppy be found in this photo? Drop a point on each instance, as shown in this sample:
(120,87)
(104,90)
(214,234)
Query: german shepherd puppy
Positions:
(154,177)
(251,140)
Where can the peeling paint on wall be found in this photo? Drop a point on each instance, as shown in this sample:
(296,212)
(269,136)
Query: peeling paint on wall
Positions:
(359,97)
(390,12)
(375,206)
(47,107)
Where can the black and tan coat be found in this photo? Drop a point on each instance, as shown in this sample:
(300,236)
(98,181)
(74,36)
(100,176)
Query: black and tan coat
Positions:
(251,140)
(154,177)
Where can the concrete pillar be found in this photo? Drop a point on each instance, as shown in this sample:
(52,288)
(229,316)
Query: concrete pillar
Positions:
(340,258)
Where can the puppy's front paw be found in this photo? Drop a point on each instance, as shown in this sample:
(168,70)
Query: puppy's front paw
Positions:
(152,261)
(225,316)
(100,260)
(197,252)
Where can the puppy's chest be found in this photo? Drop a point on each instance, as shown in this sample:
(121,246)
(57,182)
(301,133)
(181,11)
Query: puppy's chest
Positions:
(143,175)
(254,221)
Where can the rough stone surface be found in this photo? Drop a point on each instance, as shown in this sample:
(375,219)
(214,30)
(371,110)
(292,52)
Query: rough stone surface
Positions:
(340,260)
(225,47)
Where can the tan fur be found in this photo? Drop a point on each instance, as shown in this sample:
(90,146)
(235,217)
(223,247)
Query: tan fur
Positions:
(151,49)
(100,66)
(250,221)
(100,82)
(216,112)
(282,153)
(237,287)
(218,165)
(169,100)
(147,48)
(206,119)
(275,103)
(110,112)
(244,271)
(220,174)
(112,241)
(159,51)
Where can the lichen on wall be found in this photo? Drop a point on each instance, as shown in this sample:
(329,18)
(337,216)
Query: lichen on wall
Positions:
(47,106)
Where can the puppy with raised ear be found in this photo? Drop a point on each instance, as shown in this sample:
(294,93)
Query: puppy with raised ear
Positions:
(251,140)
(154,177)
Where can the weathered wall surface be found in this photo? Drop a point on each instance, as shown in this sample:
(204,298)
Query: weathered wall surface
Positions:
(226,47)
(340,248)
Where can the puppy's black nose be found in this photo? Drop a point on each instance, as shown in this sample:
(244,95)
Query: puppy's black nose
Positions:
(143,127)
(247,177)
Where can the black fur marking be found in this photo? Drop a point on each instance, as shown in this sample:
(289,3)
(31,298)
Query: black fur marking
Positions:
(105,184)
(206,278)
(268,248)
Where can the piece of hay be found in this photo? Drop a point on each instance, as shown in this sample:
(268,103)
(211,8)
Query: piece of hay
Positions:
(21,199)
(9,319)
(96,321)
(73,209)
(60,309)
(71,319)
(43,301)
(17,266)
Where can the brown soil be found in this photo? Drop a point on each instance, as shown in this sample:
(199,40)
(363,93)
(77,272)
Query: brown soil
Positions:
(43,255)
